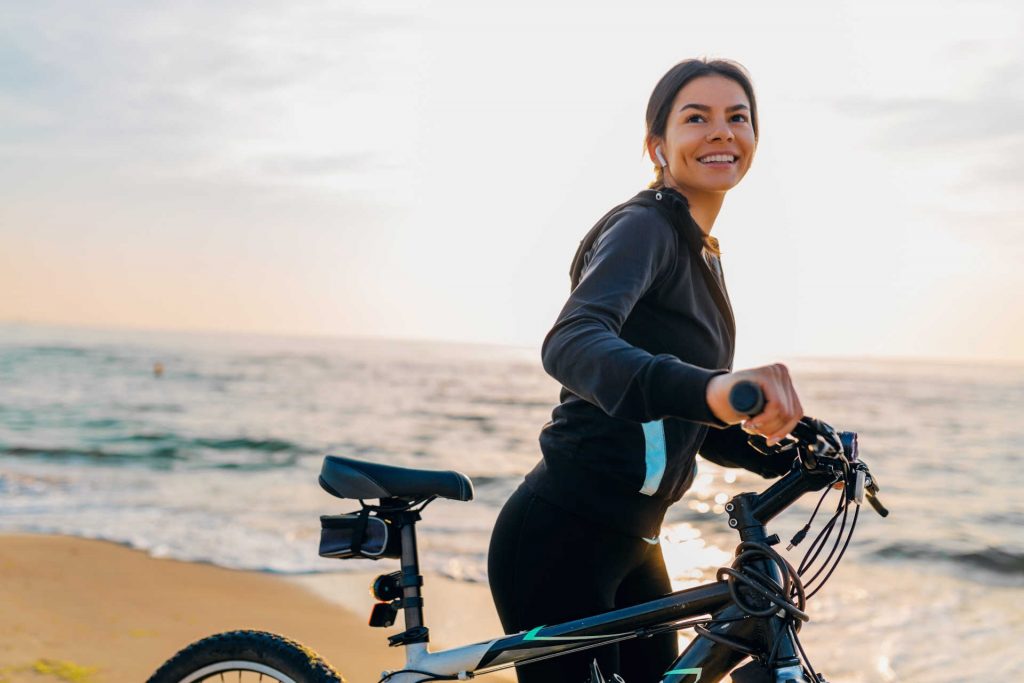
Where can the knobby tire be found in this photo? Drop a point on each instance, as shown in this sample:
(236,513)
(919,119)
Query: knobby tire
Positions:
(265,655)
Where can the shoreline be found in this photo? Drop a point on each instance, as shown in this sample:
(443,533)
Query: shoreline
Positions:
(95,611)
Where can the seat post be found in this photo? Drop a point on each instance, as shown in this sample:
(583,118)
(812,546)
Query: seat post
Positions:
(412,599)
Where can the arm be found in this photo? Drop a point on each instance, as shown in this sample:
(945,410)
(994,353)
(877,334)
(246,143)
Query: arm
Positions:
(584,351)
(729,448)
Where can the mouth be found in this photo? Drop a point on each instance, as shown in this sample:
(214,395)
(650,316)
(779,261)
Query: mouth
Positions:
(718,159)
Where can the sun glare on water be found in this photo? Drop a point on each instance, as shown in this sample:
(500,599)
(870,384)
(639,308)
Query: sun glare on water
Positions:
(688,556)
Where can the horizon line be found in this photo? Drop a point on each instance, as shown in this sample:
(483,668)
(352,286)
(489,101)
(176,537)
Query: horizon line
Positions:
(97,327)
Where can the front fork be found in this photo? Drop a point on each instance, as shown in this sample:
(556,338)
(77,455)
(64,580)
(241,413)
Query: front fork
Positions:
(707,660)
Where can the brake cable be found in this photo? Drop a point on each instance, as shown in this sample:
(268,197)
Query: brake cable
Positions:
(849,536)
(800,535)
(790,597)
(818,545)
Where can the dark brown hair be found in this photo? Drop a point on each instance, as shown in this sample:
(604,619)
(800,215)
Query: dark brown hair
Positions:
(659,106)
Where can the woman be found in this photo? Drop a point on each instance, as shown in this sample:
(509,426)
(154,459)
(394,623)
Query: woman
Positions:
(643,349)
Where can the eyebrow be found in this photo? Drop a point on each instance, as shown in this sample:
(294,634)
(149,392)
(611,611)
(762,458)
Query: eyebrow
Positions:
(704,107)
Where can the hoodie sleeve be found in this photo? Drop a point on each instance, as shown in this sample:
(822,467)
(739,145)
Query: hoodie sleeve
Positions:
(584,351)
(729,448)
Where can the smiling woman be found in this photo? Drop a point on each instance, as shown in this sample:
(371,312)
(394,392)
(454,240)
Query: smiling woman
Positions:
(643,349)
(701,134)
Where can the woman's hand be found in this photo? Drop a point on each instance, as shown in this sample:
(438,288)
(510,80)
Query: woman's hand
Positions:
(782,409)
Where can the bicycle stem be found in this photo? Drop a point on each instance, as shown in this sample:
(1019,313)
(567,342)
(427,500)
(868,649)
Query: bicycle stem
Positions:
(748,514)
(786,491)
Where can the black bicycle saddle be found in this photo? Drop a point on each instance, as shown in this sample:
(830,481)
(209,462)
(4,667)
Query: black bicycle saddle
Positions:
(349,478)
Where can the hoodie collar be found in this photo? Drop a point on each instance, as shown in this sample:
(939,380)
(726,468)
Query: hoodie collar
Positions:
(677,209)
(675,205)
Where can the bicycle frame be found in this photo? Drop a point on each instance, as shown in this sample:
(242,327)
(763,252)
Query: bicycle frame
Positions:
(705,660)
(754,608)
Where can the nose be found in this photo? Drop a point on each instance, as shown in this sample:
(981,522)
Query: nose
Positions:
(721,133)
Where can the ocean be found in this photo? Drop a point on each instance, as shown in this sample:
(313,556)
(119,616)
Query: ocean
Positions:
(216,460)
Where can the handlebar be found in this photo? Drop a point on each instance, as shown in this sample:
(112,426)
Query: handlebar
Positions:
(746,397)
(819,447)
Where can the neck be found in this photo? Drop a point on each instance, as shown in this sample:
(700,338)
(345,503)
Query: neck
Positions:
(704,206)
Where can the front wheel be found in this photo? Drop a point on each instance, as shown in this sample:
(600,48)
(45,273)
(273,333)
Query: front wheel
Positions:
(248,656)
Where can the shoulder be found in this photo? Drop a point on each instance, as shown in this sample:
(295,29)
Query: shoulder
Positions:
(635,239)
(637,233)
(637,225)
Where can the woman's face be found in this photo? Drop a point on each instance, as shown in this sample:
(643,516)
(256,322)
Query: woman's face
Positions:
(709,140)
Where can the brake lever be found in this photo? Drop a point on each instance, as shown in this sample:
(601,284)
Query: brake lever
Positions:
(877,504)
(872,492)
(830,437)
(760,444)
(818,437)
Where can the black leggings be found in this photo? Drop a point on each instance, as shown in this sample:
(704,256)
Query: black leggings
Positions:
(547,566)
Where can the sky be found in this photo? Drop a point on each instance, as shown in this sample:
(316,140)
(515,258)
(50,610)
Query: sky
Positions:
(426,170)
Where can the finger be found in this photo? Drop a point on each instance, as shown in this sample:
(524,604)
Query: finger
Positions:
(779,428)
(787,429)
(782,398)
(787,390)
(772,406)
(771,425)
(752,428)
(784,429)
(773,421)
(793,410)
(796,410)
(782,394)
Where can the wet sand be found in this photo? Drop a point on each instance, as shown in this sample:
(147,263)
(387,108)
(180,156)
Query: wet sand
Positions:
(97,612)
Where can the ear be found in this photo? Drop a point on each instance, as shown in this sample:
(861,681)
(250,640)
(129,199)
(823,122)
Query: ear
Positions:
(653,144)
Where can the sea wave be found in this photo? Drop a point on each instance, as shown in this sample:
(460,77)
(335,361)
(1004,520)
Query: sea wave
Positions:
(992,559)
(57,350)
(159,447)
(86,453)
(265,445)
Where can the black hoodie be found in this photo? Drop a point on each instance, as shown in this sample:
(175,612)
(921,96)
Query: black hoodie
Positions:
(648,323)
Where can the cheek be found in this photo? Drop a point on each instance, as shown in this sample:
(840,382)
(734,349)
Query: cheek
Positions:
(749,156)
(745,167)
(684,146)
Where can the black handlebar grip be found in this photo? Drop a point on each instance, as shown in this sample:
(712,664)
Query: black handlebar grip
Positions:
(746,397)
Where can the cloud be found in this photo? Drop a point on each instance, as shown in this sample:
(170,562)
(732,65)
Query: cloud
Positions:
(990,113)
(943,122)
(178,86)
(317,165)
(958,152)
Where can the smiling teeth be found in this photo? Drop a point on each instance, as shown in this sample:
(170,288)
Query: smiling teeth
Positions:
(716,158)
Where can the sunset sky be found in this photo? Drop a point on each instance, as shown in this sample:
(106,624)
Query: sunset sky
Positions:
(426,170)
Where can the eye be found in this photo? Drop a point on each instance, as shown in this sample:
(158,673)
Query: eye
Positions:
(740,118)
(695,118)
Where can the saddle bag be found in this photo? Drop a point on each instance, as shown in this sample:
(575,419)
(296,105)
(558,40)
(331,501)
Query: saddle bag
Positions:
(358,534)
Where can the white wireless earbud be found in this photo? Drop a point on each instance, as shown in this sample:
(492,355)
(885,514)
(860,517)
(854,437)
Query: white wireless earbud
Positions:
(661,157)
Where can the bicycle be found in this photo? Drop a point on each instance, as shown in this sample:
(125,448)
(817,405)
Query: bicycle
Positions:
(754,609)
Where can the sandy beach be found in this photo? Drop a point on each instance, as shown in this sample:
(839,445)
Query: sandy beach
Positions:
(96,612)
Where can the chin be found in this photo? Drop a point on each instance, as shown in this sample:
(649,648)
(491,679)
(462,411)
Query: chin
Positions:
(717,187)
